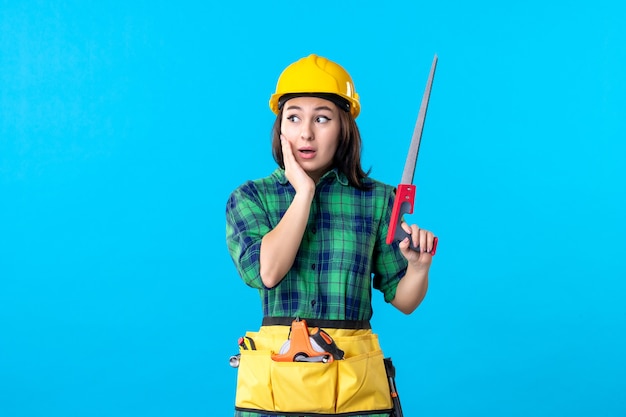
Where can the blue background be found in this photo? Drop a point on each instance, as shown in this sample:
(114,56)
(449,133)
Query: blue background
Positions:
(125,125)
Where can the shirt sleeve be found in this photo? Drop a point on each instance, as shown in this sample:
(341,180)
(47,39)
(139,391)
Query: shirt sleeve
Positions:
(389,263)
(246,224)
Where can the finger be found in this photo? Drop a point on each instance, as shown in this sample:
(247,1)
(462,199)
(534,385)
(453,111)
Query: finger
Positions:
(415,234)
(406,250)
(404,244)
(406,227)
(412,232)
(430,237)
(289,159)
(424,240)
(286,146)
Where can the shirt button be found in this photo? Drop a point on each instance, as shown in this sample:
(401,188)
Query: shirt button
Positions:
(312,303)
(314,230)
(313,266)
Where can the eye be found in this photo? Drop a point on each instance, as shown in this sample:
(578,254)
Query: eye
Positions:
(293,118)
(322,119)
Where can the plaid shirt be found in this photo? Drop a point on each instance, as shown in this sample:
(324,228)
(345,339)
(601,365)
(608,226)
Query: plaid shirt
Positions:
(343,251)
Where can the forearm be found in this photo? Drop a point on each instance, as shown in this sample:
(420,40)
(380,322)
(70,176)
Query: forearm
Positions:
(411,289)
(280,246)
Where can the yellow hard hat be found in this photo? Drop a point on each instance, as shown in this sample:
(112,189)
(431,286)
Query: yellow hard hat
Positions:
(316,76)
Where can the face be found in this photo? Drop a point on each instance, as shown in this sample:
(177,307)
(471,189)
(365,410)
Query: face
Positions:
(311,125)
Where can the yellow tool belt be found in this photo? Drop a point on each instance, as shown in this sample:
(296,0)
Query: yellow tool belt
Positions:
(356,384)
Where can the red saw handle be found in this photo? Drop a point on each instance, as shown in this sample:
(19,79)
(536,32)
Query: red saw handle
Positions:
(403,204)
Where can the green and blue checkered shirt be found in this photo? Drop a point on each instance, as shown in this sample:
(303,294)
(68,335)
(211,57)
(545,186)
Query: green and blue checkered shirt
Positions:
(343,253)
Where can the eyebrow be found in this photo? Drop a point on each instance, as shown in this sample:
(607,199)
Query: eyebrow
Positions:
(293,107)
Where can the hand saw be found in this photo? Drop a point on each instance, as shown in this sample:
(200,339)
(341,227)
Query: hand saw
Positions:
(405,193)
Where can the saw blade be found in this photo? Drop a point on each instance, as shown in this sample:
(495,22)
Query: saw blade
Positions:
(411,159)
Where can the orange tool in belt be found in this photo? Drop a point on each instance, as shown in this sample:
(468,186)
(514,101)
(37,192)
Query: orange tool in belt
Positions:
(303,346)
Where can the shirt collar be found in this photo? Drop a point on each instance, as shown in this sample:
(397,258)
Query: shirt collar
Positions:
(331,175)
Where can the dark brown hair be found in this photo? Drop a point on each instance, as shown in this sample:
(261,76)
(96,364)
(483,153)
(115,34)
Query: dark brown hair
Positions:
(348,155)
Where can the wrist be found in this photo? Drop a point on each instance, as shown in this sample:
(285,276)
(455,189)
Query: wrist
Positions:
(419,267)
(305,194)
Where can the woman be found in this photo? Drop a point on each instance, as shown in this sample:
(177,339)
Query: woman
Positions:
(311,238)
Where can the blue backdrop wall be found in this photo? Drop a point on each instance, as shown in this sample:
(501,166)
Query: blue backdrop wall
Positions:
(125,125)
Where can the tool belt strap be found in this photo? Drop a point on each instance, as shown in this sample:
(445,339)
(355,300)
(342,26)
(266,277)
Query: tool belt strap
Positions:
(328,324)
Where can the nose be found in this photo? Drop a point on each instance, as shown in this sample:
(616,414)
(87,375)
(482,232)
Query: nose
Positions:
(307,132)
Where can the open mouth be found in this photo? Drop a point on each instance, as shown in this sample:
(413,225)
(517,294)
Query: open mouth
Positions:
(306,153)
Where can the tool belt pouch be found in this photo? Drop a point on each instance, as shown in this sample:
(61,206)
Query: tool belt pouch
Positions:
(356,384)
